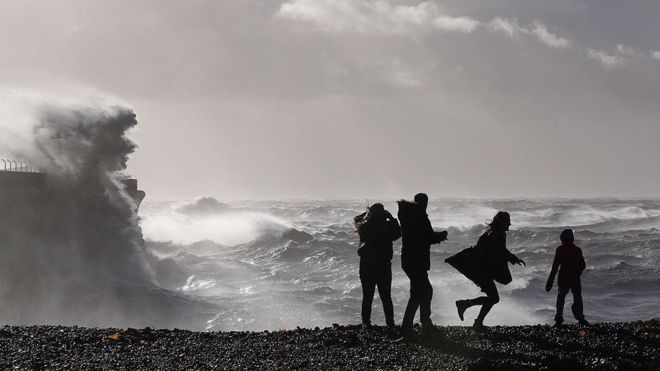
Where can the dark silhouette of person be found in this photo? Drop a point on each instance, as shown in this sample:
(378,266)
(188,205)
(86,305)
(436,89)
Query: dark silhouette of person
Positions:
(484,264)
(570,263)
(377,229)
(418,236)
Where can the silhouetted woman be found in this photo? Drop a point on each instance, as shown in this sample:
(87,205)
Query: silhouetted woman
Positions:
(484,264)
(377,229)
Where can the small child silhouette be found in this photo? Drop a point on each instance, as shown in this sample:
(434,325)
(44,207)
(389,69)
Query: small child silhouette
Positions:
(570,263)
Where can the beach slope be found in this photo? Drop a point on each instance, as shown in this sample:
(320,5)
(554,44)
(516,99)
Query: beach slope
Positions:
(603,346)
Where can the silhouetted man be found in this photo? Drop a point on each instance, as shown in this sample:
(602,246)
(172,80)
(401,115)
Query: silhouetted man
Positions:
(570,263)
(417,236)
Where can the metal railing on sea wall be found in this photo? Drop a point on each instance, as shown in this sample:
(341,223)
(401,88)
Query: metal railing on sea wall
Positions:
(18,166)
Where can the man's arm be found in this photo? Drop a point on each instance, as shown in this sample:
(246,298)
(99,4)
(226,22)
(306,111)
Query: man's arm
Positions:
(440,236)
(393,224)
(553,271)
(581,264)
(432,236)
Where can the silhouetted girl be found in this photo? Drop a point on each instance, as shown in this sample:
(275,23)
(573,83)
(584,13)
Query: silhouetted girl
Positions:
(377,229)
(484,264)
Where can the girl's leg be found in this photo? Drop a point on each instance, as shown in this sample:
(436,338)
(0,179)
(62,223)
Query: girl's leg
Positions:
(385,293)
(486,302)
(368,289)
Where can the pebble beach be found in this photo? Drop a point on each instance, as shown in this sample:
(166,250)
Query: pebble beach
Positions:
(602,346)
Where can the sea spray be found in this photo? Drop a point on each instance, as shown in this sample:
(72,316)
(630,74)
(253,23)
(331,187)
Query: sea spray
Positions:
(206,219)
(306,272)
(72,249)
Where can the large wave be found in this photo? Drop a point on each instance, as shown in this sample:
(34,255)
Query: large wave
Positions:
(72,249)
(207,219)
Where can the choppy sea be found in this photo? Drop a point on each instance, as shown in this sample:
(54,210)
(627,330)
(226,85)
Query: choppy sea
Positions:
(282,264)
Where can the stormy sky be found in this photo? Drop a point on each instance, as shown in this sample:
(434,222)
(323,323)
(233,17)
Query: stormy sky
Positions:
(265,99)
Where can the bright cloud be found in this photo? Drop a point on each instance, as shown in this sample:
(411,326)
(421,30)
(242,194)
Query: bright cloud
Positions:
(380,16)
(608,60)
(625,49)
(401,76)
(457,24)
(511,28)
(548,38)
(508,26)
(373,16)
(655,54)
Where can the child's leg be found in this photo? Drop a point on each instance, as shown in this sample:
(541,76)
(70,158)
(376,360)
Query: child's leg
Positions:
(577,302)
(561,297)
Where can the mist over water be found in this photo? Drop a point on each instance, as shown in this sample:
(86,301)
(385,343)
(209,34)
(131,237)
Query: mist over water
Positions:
(271,265)
(74,251)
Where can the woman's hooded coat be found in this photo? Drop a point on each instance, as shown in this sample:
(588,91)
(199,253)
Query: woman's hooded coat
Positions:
(487,260)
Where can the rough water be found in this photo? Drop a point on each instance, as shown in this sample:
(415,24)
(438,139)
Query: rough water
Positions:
(278,265)
(74,252)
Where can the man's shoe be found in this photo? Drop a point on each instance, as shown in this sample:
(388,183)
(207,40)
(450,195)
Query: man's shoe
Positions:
(461,306)
(391,331)
(478,326)
(558,324)
(583,322)
(431,328)
(409,335)
(366,326)
(431,331)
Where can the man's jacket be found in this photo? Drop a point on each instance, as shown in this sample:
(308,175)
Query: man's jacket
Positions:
(417,237)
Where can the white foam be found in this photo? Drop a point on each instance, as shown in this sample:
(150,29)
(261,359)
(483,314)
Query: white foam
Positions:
(228,229)
(194,285)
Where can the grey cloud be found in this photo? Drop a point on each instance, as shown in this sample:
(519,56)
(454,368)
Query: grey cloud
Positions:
(608,60)
(374,16)
(512,28)
(655,54)
(543,35)
(459,24)
(627,50)
(383,17)
(509,26)
(236,101)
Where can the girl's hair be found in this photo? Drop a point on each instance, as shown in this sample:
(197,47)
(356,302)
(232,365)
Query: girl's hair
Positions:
(375,212)
(499,221)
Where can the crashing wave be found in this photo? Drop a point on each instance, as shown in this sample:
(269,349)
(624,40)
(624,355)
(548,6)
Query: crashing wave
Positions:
(72,249)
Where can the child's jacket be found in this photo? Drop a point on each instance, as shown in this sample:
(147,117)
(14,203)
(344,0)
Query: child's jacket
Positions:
(570,263)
